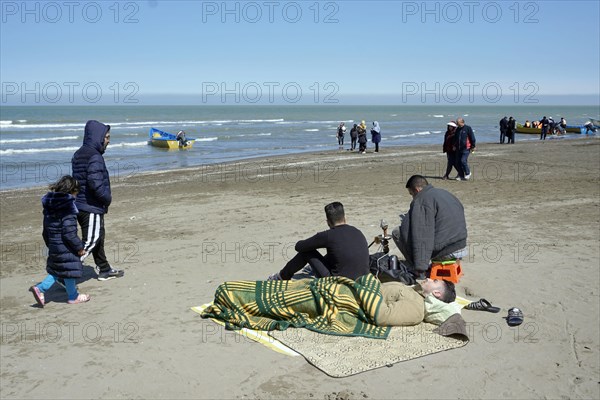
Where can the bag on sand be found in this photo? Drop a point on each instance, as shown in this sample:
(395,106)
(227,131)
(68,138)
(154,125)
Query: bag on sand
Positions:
(389,267)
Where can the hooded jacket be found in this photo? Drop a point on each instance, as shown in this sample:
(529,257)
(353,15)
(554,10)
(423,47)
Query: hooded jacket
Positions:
(90,170)
(434,227)
(60,235)
(376,133)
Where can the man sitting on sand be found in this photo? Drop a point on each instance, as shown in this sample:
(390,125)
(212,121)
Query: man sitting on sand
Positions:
(434,227)
(347,250)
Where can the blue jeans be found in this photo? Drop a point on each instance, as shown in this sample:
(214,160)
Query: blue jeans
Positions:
(69,285)
(461,163)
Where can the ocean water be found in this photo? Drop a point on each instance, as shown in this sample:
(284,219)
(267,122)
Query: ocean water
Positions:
(37,143)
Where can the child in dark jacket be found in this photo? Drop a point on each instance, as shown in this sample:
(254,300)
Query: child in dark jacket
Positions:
(64,247)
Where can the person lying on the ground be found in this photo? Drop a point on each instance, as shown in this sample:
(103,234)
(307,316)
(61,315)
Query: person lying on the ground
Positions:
(333,305)
(405,305)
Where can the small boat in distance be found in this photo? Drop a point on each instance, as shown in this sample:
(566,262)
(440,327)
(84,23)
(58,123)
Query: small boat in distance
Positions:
(167,140)
(537,131)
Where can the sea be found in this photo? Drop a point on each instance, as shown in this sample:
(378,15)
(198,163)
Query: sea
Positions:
(37,142)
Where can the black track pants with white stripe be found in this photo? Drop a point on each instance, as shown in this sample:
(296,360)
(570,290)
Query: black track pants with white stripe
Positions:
(92,234)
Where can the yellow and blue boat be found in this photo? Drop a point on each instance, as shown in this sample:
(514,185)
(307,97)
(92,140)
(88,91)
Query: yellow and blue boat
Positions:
(167,140)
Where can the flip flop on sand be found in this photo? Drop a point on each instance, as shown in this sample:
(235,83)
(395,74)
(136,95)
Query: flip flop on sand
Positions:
(38,295)
(81,298)
(482,305)
(515,317)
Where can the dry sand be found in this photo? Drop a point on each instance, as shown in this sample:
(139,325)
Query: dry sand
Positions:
(533,217)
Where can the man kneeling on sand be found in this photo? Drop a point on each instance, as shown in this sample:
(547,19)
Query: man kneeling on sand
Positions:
(347,250)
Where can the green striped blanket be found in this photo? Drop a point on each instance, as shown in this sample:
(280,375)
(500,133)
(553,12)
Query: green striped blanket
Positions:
(333,305)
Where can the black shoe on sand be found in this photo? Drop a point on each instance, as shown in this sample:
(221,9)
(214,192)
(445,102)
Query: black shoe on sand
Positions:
(110,274)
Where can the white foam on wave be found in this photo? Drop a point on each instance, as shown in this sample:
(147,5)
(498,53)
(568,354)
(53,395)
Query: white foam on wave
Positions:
(324,122)
(248,134)
(436,131)
(9,152)
(311,130)
(50,126)
(438,116)
(138,124)
(4,141)
(207,139)
(129,144)
(411,135)
(21,120)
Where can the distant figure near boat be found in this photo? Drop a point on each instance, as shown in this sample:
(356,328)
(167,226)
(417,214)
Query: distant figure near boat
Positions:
(181,139)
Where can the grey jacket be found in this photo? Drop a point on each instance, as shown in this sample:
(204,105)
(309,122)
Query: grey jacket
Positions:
(435,226)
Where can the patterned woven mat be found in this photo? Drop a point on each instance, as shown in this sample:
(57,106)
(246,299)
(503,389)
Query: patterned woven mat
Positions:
(341,356)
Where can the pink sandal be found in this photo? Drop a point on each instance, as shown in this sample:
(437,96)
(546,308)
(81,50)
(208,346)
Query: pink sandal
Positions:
(81,298)
(38,295)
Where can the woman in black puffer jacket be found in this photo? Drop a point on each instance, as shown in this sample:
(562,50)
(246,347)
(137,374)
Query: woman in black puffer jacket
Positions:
(60,235)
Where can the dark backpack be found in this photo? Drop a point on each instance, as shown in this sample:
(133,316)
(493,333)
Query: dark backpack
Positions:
(389,268)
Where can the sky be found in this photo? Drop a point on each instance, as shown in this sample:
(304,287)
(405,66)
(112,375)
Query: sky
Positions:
(304,52)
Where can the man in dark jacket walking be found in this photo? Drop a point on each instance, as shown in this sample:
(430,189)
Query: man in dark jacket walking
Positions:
(94,196)
(433,229)
(465,145)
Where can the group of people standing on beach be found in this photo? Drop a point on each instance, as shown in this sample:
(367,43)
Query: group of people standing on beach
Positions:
(459,143)
(508,130)
(358,133)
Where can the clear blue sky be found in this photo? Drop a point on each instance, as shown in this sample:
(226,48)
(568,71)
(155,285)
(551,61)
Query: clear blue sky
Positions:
(370,50)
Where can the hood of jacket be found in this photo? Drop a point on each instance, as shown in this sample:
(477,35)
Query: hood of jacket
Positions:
(59,204)
(376,127)
(94,135)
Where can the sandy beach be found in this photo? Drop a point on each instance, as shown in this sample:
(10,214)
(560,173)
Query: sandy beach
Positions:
(533,214)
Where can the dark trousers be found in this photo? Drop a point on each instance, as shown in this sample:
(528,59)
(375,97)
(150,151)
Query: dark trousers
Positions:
(462,165)
(451,161)
(544,133)
(502,136)
(511,137)
(92,234)
(353,143)
(376,147)
(341,140)
(317,262)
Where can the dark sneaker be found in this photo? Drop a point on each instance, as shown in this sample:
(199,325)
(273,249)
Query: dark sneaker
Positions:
(110,274)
